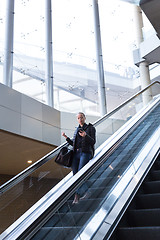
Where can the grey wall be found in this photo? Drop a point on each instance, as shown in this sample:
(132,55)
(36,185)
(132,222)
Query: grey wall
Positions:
(27,117)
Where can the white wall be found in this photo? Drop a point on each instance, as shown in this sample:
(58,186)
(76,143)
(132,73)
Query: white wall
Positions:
(27,117)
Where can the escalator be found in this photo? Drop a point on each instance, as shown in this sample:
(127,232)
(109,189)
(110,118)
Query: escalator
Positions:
(141,220)
(118,158)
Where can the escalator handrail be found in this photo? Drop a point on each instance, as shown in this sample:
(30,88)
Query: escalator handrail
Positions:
(13,181)
(123,104)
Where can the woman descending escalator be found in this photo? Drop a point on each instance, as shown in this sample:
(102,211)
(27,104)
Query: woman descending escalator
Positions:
(83,147)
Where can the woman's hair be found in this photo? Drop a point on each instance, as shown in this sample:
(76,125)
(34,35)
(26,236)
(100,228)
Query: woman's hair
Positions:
(82,114)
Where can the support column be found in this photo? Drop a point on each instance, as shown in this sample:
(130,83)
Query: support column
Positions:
(145,81)
(49,55)
(8,49)
(99,60)
(143,66)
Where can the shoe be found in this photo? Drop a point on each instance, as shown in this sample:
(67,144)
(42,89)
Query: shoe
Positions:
(76,199)
(86,196)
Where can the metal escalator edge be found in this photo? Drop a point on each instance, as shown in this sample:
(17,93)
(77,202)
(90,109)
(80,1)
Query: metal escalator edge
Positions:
(29,222)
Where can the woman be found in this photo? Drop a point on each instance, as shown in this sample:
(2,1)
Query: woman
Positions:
(83,147)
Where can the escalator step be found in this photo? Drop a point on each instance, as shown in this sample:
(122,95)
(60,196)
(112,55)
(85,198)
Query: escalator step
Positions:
(157,165)
(50,233)
(101,182)
(152,187)
(139,233)
(155,175)
(144,217)
(69,219)
(74,215)
(149,201)
(100,192)
(84,205)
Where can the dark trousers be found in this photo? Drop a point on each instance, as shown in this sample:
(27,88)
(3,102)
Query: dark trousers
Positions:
(80,159)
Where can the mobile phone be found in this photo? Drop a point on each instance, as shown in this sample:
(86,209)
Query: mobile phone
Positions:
(80,130)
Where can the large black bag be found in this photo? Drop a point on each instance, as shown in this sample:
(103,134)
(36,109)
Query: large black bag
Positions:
(64,157)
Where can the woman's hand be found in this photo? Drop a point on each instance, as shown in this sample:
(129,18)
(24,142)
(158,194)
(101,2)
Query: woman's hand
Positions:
(82,133)
(64,135)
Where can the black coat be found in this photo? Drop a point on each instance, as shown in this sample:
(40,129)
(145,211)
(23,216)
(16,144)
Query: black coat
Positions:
(88,141)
